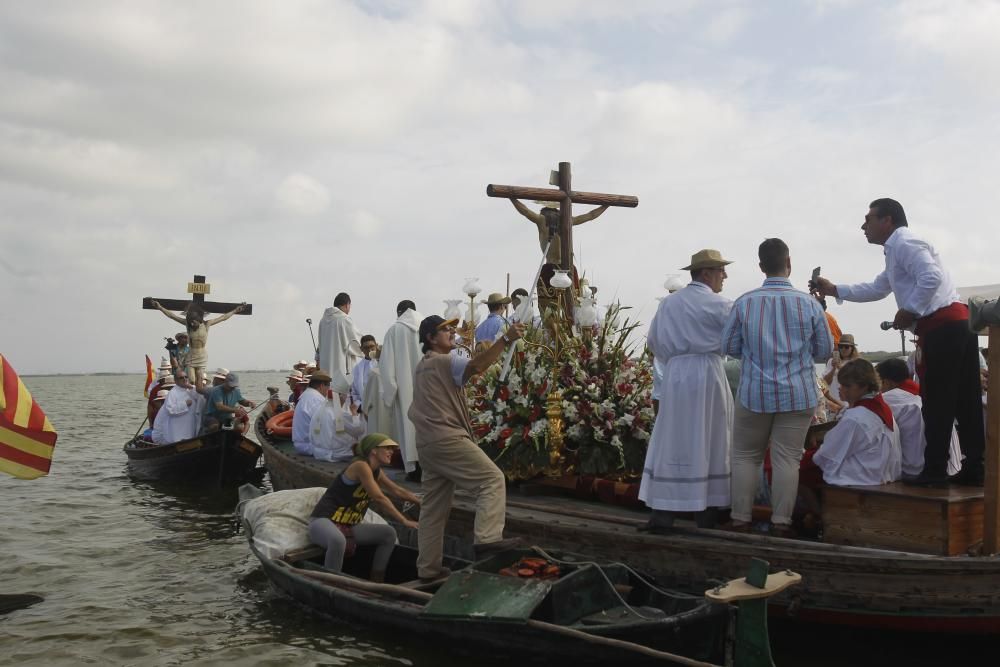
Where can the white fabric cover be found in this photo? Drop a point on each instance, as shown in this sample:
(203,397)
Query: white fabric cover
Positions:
(280,520)
(378,418)
(687,463)
(860,451)
(400,355)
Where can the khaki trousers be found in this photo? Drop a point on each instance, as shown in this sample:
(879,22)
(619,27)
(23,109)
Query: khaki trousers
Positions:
(752,431)
(447,464)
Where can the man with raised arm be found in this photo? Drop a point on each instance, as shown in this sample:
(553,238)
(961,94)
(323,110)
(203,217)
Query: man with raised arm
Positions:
(449,455)
(948,365)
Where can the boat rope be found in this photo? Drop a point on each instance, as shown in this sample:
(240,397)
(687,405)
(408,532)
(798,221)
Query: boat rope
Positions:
(677,596)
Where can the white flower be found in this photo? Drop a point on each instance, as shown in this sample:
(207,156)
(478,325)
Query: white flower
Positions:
(576,432)
(513,380)
(625,420)
(521,400)
(539,427)
(500,406)
(641,434)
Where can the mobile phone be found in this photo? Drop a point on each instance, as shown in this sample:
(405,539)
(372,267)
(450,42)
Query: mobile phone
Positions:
(816,273)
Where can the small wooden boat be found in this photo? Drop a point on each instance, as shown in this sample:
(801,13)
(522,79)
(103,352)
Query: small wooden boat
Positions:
(224,455)
(585,612)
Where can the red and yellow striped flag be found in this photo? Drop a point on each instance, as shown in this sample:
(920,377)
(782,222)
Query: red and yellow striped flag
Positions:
(26,434)
(150,376)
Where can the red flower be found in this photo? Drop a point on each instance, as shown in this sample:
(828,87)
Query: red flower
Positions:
(504,393)
(505,433)
(536,412)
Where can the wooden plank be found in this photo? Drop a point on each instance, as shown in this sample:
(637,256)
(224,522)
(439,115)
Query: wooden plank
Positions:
(553,195)
(991,519)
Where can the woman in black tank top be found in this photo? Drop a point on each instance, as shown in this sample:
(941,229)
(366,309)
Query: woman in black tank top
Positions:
(336,520)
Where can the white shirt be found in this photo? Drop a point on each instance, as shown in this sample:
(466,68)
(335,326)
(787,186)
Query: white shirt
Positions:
(860,451)
(913,273)
(358,378)
(310,402)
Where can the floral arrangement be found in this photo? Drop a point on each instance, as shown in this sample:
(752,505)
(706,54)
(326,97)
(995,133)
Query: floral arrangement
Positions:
(606,402)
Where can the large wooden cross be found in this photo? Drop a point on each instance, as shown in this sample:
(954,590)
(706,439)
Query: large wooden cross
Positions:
(566,198)
(198,288)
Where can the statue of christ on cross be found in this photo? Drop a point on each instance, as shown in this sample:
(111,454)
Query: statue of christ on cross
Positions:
(547,221)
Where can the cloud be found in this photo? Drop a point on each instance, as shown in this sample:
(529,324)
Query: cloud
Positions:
(301,195)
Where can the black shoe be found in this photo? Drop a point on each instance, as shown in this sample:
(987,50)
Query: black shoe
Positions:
(414,476)
(928,480)
(967,478)
(486,550)
(440,575)
(655,529)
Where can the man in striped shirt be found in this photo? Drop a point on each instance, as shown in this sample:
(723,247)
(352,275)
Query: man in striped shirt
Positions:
(779,333)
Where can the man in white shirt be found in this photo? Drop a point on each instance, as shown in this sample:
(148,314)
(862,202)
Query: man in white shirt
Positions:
(399,358)
(310,403)
(687,462)
(339,344)
(928,303)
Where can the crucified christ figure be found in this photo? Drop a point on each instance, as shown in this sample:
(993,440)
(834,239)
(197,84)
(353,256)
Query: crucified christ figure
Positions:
(547,221)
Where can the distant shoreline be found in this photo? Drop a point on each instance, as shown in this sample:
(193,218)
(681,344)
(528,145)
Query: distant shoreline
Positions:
(104,374)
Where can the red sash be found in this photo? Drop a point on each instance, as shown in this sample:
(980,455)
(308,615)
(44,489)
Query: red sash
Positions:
(910,386)
(956,312)
(877,405)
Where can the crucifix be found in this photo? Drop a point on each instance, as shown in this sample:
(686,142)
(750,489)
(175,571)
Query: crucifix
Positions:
(560,229)
(197,288)
(195,322)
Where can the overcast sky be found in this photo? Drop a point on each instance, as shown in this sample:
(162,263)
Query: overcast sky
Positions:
(292,150)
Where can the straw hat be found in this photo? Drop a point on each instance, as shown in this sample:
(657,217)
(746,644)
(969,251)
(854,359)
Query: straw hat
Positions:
(706,259)
(165,365)
(321,375)
(294,375)
(847,339)
(221,373)
(161,395)
(497,299)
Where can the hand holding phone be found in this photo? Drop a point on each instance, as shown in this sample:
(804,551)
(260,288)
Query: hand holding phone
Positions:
(812,281)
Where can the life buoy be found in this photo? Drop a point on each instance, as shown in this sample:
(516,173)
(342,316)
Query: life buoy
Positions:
(281,424)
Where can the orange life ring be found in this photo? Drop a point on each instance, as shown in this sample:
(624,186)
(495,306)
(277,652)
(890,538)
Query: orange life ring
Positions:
(281,424)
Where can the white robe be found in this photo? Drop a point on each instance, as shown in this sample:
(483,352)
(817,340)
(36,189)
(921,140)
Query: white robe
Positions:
(334,431)
(339,348)
(860,451)
(176,420)
(359,376)
(687,463)
(906,408)
(378,418)
(400,355)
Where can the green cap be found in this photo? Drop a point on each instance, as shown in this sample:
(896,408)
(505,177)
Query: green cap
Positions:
(371,441)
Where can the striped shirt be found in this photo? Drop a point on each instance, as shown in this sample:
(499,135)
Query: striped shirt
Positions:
(779,333)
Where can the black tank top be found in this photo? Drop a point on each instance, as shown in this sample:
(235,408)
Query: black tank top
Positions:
(344,501)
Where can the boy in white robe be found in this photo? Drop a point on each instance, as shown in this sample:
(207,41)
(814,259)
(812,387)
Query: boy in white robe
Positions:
(863,448)
(903,396)
(687,462)
(339,344)
(398,360)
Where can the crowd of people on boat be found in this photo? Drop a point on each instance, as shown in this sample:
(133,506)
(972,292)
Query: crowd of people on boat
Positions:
(922,424)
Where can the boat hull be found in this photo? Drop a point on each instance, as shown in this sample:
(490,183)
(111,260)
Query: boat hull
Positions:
(225,455)
(841,585)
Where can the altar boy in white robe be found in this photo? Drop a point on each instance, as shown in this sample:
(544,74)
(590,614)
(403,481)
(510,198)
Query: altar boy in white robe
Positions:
(903,396)
(339,343)
(180,417)
(399,358)
(687,463)
(863,448)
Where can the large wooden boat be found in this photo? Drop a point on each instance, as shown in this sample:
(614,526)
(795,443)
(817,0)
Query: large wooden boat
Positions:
(842,584)
(225,455)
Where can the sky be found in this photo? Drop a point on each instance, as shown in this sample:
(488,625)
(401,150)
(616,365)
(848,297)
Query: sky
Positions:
(292,150)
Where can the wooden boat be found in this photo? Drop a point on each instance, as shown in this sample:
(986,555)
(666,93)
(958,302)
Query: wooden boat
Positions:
(842,584)
(584,612)
(224,455)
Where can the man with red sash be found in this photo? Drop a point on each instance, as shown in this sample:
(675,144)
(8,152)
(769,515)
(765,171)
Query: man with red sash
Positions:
(863,448)
(948,368)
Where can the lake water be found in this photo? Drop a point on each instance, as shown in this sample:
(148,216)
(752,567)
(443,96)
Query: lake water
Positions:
(135,573)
